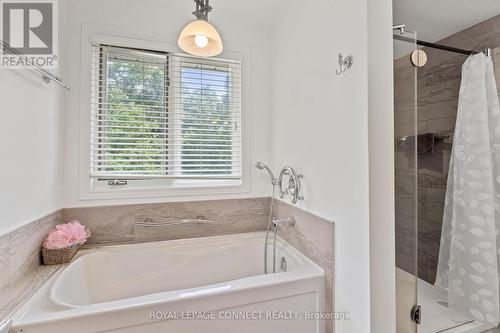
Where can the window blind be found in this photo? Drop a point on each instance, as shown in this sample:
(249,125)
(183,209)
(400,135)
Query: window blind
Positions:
(164,115)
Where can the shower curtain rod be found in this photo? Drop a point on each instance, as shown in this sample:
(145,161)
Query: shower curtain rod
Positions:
(438,46)
(402,29)
(445,48)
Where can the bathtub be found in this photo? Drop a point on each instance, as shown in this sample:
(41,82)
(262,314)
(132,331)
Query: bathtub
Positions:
(210,284)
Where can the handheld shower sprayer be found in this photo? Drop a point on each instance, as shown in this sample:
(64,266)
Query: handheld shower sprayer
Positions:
(292,189)
(262,166)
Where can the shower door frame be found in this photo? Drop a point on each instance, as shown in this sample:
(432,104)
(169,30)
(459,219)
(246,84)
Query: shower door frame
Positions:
(408,312)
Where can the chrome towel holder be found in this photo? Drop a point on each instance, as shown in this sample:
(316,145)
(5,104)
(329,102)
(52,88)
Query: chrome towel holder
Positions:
(46,76)
(150,223)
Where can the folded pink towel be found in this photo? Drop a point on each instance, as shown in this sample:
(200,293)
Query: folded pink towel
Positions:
(66,235)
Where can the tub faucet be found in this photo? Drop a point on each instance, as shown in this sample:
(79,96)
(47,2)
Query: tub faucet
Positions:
(288,221)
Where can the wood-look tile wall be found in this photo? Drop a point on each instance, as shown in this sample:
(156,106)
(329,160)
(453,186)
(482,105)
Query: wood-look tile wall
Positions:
(118,224)
(438,84)
(21,272)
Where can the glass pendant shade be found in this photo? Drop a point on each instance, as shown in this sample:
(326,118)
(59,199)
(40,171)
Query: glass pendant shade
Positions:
(200,38)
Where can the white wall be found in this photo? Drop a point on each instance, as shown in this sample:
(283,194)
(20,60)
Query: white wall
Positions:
(320,127)
(165,19)
(381,139)
(30,149)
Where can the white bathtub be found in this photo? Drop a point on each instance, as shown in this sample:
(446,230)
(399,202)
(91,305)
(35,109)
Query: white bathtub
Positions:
(211,284)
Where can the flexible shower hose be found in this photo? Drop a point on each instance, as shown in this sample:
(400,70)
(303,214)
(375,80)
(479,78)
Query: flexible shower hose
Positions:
(268,229)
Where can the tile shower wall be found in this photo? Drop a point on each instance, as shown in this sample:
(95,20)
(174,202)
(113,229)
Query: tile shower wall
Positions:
(405,189)
(438,87)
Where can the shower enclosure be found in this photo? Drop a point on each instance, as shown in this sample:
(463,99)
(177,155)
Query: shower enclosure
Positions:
(426,104)
(405,152)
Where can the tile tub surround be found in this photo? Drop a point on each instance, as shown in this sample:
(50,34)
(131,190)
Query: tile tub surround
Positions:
(313,236)
(117,224)
(438,84)
(21,269)
(20,251)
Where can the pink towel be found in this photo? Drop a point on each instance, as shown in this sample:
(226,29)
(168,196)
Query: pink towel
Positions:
(66,235)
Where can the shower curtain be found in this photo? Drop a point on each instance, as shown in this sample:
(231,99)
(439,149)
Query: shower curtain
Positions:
(468,265)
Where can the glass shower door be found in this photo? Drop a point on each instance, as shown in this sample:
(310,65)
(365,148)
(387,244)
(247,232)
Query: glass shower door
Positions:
(406,189)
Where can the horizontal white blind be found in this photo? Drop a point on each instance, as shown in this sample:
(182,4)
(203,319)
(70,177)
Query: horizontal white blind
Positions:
(163,115)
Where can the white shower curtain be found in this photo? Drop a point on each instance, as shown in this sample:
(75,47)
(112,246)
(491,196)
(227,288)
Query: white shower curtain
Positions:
(468,257)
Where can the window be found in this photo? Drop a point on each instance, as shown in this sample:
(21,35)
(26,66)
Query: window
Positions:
(163,119)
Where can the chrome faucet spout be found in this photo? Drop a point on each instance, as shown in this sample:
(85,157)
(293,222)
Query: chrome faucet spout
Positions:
(288,221)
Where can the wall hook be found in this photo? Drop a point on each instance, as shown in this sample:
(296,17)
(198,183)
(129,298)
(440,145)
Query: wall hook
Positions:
(344,64)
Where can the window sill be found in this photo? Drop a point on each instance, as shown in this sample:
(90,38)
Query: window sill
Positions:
(165,192)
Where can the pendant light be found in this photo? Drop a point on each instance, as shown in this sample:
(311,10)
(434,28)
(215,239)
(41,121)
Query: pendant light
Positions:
(199,37)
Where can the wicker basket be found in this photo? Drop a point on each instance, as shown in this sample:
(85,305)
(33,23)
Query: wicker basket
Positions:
(59,256)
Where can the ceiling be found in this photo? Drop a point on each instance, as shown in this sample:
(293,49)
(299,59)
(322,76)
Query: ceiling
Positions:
(432,19)
(435,19)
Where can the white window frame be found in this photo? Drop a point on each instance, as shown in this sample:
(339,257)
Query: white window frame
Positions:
(175,68)
(90,189)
